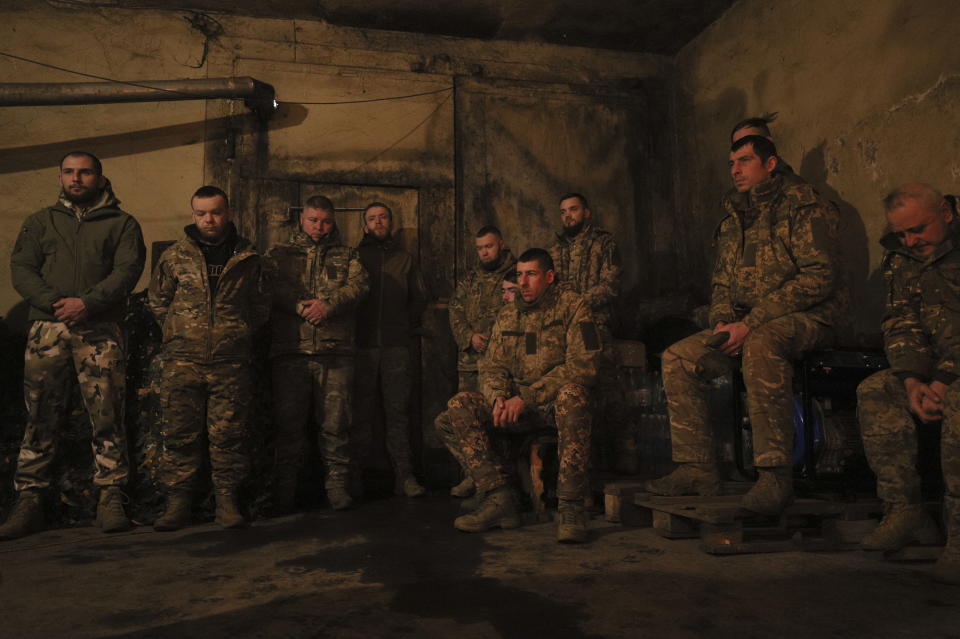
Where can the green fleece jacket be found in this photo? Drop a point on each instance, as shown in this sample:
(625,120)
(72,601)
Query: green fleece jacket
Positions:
(97,256)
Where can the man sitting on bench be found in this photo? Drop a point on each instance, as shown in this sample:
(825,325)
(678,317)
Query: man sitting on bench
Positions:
(776,292)
(542,359)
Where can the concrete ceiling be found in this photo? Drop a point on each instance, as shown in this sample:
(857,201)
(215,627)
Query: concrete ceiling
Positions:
(649,26)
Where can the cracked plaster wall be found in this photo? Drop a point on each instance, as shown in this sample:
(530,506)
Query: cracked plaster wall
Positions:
(868,95)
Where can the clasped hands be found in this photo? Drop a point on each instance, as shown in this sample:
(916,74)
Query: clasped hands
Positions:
(926,400)
(507,411)
(738,334)
(314,311)
(70,310)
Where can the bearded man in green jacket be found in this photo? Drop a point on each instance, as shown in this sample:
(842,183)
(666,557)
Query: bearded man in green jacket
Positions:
(74,263)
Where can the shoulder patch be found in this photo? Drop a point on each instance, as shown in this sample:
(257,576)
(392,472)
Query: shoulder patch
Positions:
(591,338)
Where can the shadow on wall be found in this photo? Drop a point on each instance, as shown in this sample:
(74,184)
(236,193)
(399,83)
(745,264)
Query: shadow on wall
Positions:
(866,288)
(38,156)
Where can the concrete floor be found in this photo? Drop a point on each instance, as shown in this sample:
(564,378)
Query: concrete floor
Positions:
(397,568)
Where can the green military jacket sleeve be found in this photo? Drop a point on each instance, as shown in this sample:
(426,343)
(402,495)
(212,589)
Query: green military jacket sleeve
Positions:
(26,264)
(907,344)
(457,309)
(605,288)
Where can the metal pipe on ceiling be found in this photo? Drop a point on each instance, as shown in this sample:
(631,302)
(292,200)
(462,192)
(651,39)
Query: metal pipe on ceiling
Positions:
(258,96)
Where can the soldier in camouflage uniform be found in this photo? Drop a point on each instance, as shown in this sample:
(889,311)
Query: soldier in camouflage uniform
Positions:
(75,263)
(207,295)
(388,320)
(777,292)
(761,126)
(542,361)
(921,329)
(587,259)
(316,283)
(473,309)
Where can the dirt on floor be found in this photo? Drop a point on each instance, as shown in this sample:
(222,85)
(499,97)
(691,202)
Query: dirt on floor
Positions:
(397,567)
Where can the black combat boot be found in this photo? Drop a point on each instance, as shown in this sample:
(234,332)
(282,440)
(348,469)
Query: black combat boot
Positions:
(772,493)
(947,569)
(110,515)
(687,479)
(902,524)
(499,509)
(25,518)
(572,528)
(228,512)
(177,513)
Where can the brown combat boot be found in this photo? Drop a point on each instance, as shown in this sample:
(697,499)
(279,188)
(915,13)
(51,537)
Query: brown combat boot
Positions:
(947,569)
(407,485)
(228,512)
(772,493)
(177,513)
(338,496)
(902,525)
(25,518)
(688,479)
(465,488)
(473,503)
(110,515)
(499,509)
(572,528)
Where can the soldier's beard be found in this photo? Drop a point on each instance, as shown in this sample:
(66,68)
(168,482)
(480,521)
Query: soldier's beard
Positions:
(573,231)
(493,264)
(84,197)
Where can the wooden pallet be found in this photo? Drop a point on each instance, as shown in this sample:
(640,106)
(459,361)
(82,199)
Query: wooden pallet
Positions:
(724,528)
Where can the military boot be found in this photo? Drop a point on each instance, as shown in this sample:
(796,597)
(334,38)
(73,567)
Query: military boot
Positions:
(947,569)
(471,504)
(772,493)
(338,496)
(902,525)
(228,512)
(26,516)
(177,513)
(687,479)
(409,486)
(465,488)
(499,509)
(572,528)
(110,515)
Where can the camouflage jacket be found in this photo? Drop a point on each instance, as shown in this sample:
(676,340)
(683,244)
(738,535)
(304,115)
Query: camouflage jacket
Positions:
(590,264)
(921,325)
(198,326)
(537,348)
(305,270)
(97,256)
(796,263)
(474,307)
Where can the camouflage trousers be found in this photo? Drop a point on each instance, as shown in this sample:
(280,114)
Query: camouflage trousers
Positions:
(890,438)
(467,425)
(317,386)
(55,352)
(204,403)
(468,381)
(617,429)
(384,375)
(767,366)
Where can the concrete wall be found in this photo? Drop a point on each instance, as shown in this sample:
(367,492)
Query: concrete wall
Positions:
(868,95)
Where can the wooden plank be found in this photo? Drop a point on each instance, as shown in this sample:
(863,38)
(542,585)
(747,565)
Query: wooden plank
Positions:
(673,527)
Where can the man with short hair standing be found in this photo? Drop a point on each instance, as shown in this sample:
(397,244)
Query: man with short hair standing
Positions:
(777,292)
(542,361)
(316,283)
(920,329)
(587,259)
(207,295)
(75,263)
(473,309)
(387,322)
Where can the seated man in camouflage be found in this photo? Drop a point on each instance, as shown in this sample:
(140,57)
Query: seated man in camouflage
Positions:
(777,292)
(542,359)
(920,329)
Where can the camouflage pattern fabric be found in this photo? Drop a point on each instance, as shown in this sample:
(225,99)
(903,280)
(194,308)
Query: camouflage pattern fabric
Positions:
(792,265)
(54,351)
(305,270)
(468,381)
(466,428)
(196,396)
(307,386)
(767,367)
(473,309)
(549,353)
(590,264)
(384,374)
